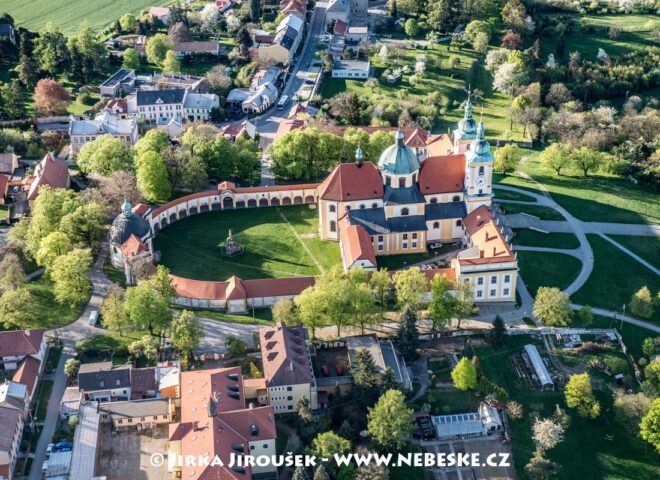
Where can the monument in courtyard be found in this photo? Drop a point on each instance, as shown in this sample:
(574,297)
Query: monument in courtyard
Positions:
(232,248)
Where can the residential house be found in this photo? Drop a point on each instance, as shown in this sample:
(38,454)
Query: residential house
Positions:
(8,163)
(8,33)
(118,107)
(215,422)
(168,81)
(294,7)
(4,188)
(356,34)
(27,374)
(173,127)
(121,82)
(183,49)
(141,414)
(105,123)
(337,11)
(161,13)
(178,102)
(287,366)
(283,47)
(16,345)
(351,69)
(51,171)
(104,383)
(143,383)
(13,412)
(70,403)
(253,100)
(271,74)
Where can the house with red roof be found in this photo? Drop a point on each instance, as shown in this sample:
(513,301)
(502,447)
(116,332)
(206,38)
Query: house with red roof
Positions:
(16,345)
(52,172)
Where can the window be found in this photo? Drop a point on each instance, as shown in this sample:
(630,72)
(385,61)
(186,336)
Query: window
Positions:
(405,211)
(481,190)
(480,281)
(507,278)
(405,236)
(289,398)
(118,382)
(458,223)
(101,383)
(156,417)
(374,205)
(493,292)
(362,206)
(433,200)
(332,209)
(414,236)
(333,226)
(142,419)
(505,292)
(493,280)
(402,182)
(380,247)
(456,198)
(436,224)
(130,420)
(290,407)
(289,389)
(480,294)
(481,170)
(120,421)
(251,447)
(388,180)
(380,238)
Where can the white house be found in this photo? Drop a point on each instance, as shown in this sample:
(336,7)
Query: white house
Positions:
(106,123)
(352,69)
(156,105)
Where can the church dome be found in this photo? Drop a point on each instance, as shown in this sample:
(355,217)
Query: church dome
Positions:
(467,126)
(398,159)
(127,224)
(482,147)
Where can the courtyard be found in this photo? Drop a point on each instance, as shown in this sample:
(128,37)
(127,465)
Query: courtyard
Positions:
(278,242)
(127,454)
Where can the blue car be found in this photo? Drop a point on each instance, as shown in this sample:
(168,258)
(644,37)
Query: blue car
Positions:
(63,446)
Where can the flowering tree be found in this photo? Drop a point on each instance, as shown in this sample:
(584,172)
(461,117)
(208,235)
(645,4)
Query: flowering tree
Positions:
(547,433)
(50,97)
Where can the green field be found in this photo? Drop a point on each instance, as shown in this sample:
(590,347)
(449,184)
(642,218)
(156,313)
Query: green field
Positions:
(532,238)
(509,195)
(109,345)
(614,279)
(68,14)
(193,247)
(646,247)
(47,313)
(546,269)
(540,211)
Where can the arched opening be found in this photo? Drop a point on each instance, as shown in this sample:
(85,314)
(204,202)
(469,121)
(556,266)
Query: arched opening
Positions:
(203,208)
(362,206)
(405,211)
(193,210)
(275,202)
(402,182)
(173,218)
(458,223)
(333,226)
(227,202)
(456,198)
(297,201)
(309,199)
(164,221)
(481,170)
(436,225)
(240,204)
(332,209)
(216,206)
(252,202)
(263,202)
(183,213)
(374,205)
(433,200)
(286,201)
(156,227)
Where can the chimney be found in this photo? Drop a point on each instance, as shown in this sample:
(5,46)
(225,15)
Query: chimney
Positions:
(27,332)
(479,221)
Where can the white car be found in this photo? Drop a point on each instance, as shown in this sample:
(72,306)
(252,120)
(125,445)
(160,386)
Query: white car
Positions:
(325,38)
(435,246)
(49,449)
(44,466)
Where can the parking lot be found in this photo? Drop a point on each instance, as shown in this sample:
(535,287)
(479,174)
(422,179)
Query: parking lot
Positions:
(484,447)
(126,455)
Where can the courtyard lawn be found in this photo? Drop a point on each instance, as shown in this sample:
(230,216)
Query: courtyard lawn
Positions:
(109,345)
(193,247)
(509,195)
(540,211)
(47,313)
(615,278)
(67,15)
(606,450)
(546,269)
(646,247)
(532,238)
(262,316)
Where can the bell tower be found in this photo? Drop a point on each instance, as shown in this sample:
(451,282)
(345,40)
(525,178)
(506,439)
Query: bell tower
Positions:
(478,184)
(466,132)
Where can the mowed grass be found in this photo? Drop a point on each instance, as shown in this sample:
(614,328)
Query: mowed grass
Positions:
(68,14)
(532,238)
(615,278)
(540,211)
(46,312)
(646,247)
(546,269)
(500,194)
(592,449)
(194,247)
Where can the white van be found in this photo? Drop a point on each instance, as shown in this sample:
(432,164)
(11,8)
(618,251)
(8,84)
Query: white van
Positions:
(94,317)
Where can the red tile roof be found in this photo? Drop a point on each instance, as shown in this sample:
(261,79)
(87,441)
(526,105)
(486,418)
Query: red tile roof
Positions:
(288,126)
(236,288)
(200,289)
(133,246)
(27,373)
(4,185)
(440,144)
(196,47)
(443,174)
(254,382)
(356,245)
(348,181)
(284,354)
(140,209)
(18,343)
(340,28)
(277,287)
(485,234)
(118,105)
(50,171)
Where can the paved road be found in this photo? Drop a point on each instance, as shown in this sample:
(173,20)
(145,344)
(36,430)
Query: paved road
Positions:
(619,318)
(519,220)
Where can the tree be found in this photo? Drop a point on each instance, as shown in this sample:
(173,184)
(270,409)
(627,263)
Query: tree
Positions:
(152,177)
(547,433)
(244,40)
(464,303)
(514,410)
(441,308)
(648,346)
(480,43)
(464,375)
(363,371)
(506,158)
(579,395)
(50,50)
(11,100)
(27,71)
(372,471)
(474,28)
(236,347)
(12,274)
(255,10)
(410,285)
(147,308)
(186,333)
(371,83)
(116,188)
(284,310)
(91,51)
(411,28)
(552,307)
(555,157)
(586,315)
(51,247)
(128,23)
(513,15)
(300,474)
(641,303)
(586,159)
(131,59)
(304,409)
(630,409)
(219,81)
(497,334)
(380,285)
(71,367)
(511,41)
(104,156)
(69,274)
(147,346)
(650,426)
(50,98)
(171,64)
(327,444)
(16,307)
(157,48)
(558,94)
(113,312)
(390,421)
(443,15)
(407,336)
(86,224)
(540,468)
(508,78)
(320,473)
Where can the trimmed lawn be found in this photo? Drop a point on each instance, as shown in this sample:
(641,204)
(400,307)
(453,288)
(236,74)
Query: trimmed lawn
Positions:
(262,316)
(615,278)
(114,274)
(47,313)
(646,247)
(67,15)
(193,247)
(509,195)
(532,238)
(546,269)
(544,213)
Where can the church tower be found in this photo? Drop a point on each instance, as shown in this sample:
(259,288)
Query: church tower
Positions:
(466,133)
(478,172)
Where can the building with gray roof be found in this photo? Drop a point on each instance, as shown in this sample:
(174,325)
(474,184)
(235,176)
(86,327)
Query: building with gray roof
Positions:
(83,131)
(104,383)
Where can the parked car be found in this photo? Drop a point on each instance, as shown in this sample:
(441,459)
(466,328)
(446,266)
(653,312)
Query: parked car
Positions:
(309,82)
(63,446)
(94,317)
(435,246)
(44,466)
(49,449)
